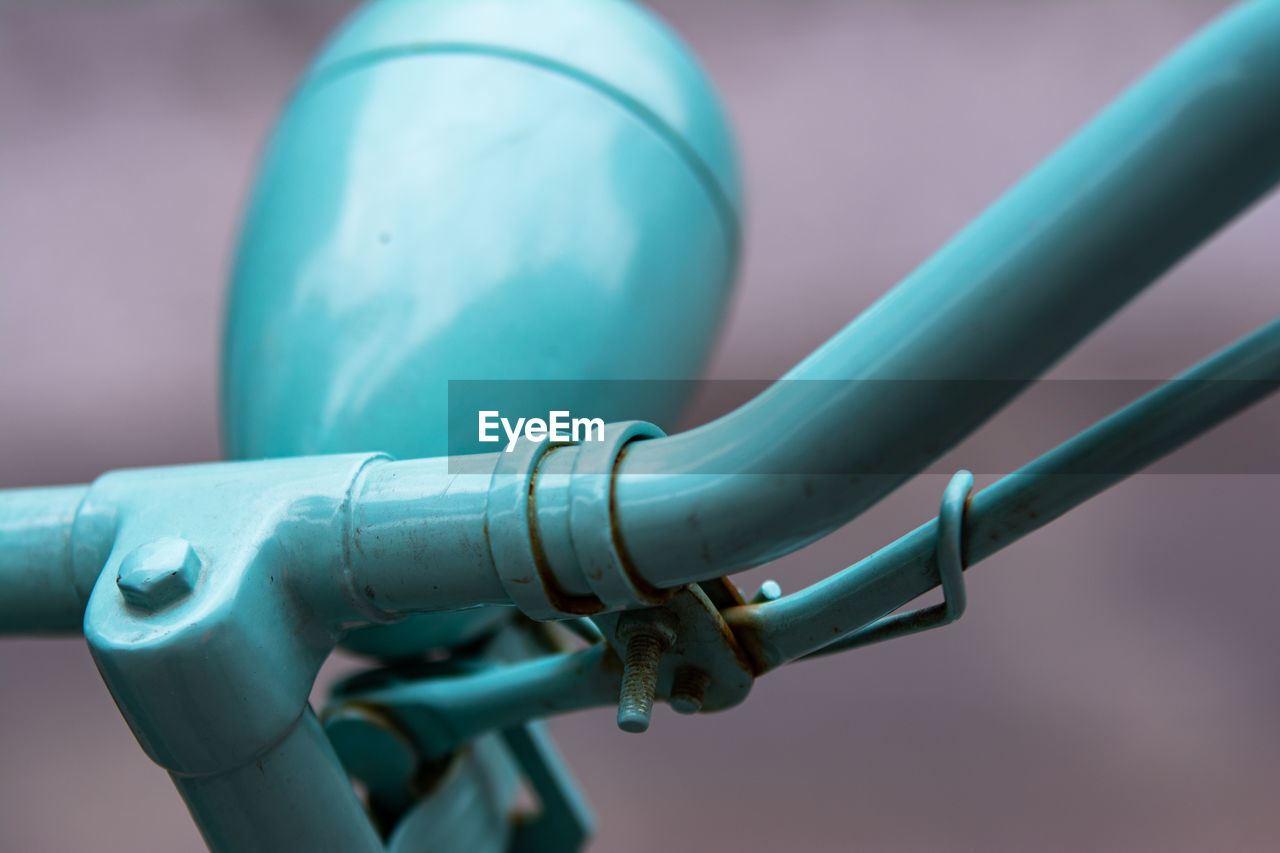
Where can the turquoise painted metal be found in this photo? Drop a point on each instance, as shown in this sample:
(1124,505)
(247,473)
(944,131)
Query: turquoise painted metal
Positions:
(459,182)
(39,590)
(1192,144)
(546,190)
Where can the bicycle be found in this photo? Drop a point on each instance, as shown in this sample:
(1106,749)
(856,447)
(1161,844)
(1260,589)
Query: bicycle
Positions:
(170,579)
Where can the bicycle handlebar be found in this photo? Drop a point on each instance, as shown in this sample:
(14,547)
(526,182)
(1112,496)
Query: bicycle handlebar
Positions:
(1186,149)
(38,589)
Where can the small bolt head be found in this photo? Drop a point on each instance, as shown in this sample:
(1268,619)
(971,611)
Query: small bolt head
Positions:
(158,574)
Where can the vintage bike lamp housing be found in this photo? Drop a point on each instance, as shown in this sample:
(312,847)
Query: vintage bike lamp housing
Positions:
(544,190)
(472,190)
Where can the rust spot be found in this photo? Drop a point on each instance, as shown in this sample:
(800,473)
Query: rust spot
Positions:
(746,658)
(648,593)
(580,605)
(722,593)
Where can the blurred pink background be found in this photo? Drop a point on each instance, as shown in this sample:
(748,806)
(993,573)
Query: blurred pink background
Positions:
(1114,684)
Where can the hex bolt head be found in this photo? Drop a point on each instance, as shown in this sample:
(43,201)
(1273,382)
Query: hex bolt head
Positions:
(158,574)
(646,638)
(688,690)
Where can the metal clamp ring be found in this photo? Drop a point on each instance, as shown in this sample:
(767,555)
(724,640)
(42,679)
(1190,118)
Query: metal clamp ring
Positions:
(591,524)
(515,555)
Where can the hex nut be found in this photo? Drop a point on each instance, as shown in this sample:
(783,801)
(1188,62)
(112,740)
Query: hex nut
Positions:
(158,574)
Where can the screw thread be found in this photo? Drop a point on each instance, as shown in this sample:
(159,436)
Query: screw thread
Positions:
(639,681)
(688,690)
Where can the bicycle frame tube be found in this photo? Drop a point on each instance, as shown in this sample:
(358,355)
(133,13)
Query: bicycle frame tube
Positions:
(1186,149)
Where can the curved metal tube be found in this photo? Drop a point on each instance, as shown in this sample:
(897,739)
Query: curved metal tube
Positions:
(38,591)
(1186,149)
(1026,500)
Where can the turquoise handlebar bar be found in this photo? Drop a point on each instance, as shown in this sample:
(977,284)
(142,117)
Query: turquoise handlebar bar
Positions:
(1187,148)
(38,590)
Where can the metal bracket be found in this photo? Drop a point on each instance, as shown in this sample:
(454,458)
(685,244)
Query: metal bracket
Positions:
(949,551)
(701,651)
(847,610)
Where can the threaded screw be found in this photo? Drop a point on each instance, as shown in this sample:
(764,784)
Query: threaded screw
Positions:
(689,689)
(769,591)
(646,639)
